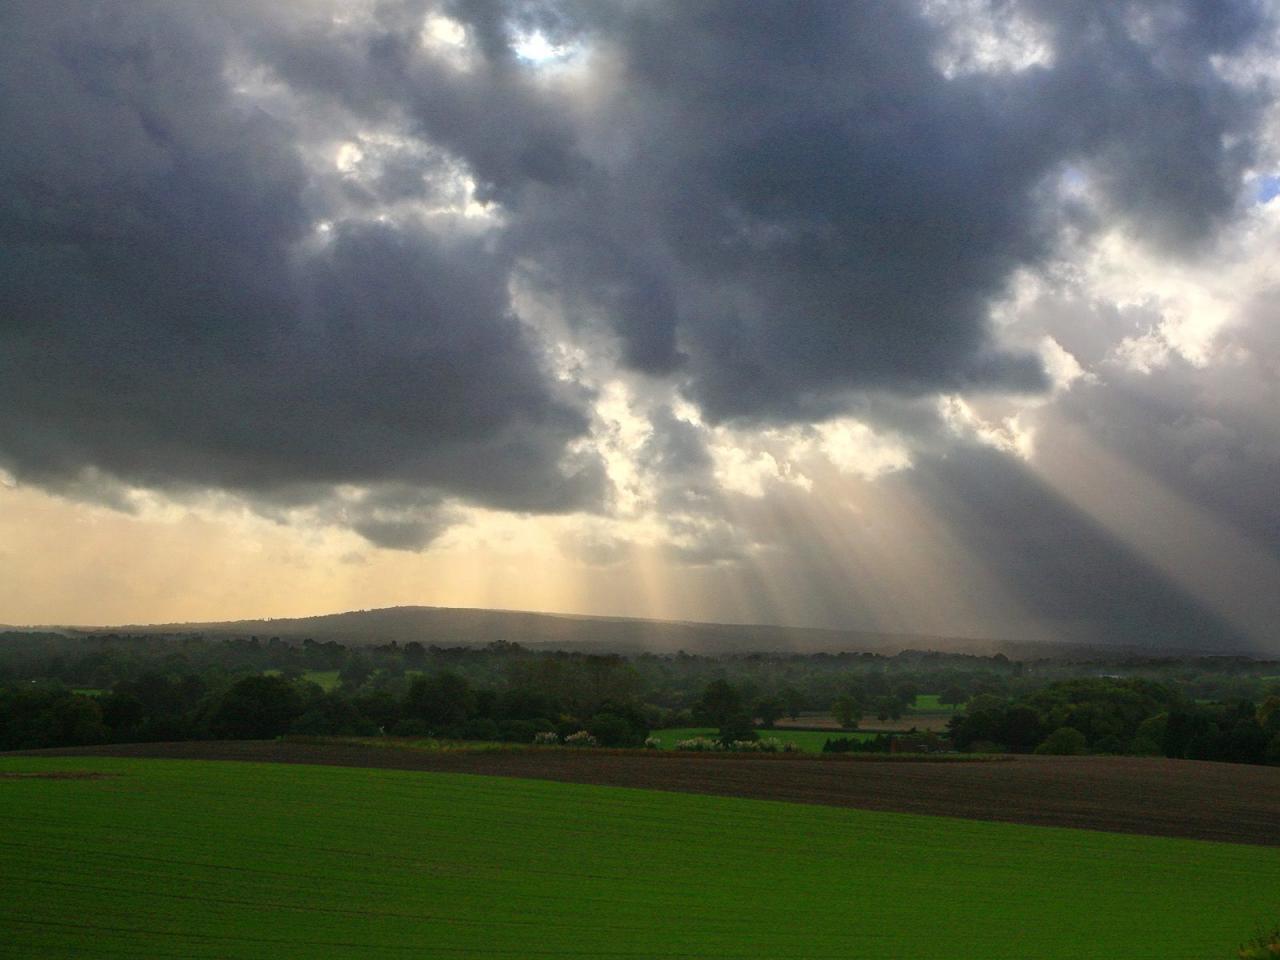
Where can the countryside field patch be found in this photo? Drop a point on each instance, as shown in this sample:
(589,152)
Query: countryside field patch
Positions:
(931,703)
(1234,803)
(809,741)
(935,722)
(204,859)
(326,680)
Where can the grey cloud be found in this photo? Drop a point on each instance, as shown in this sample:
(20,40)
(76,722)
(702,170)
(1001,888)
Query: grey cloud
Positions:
(168,318)
(407,534)
(1209,433)
(1136,95)
(790,214)
(786,208)
(676,447)
(594,548)
(392,517)
(1208,430)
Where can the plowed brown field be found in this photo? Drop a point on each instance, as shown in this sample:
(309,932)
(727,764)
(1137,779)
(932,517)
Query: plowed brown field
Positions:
(1181,798)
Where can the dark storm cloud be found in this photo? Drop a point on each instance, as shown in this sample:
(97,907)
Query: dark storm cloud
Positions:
(398,519)
(166,318)
(786,207)
(784,210)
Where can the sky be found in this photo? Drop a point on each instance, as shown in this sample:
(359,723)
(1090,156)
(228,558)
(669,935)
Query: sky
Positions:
(954,316)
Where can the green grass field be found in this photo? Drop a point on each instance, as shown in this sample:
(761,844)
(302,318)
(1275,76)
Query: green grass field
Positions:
(810,741)
(325,679)
(205,859)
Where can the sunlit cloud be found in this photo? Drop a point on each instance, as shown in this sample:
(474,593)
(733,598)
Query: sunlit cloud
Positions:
(982,37)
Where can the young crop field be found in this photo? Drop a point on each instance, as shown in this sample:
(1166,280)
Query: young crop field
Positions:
(325,679)
(809,741)
(109,857)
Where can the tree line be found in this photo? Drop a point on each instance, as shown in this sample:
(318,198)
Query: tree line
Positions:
(62,690)
(1123,716)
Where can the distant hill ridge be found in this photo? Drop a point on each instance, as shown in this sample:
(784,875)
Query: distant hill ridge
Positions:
(448,626)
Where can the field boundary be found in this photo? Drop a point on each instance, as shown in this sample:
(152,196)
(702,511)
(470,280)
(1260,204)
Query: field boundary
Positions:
(1230,803)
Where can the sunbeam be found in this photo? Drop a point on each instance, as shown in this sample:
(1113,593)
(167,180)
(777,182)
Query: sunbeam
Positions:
(1219,566)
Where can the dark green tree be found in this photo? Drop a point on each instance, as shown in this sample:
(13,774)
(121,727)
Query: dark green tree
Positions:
(847,711)
(612,730)
(769,709)
(440,701)
(793,700)
(720,701)
(952,695)
(256,708)
(1063,742)
(888,708)
(737,726)
(77,720)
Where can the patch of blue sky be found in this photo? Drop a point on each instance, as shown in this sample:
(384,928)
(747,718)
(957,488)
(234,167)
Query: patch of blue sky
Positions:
(1267,187)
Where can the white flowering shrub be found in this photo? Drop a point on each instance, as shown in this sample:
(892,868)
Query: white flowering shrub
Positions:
(653,743)
(546,738)
(707,744)
(699,744)
(581,739)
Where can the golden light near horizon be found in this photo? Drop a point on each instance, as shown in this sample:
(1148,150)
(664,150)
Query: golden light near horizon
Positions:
(900,571)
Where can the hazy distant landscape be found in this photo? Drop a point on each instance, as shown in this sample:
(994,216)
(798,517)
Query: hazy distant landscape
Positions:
(543,771)
(446,626)
(453,626)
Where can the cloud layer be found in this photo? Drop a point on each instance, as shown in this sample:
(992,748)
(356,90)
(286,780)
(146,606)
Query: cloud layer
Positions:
(666,267)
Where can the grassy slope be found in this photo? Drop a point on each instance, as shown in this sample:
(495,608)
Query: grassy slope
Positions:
(203,859)
(325,679)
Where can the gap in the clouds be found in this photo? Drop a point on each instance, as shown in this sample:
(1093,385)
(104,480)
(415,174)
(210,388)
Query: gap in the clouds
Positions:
(1268,188)
(537,50)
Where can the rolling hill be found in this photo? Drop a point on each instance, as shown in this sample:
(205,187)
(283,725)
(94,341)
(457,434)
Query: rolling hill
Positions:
(449,626)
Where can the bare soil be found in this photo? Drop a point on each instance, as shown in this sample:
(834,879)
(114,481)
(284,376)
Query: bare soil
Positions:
(1177,798)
